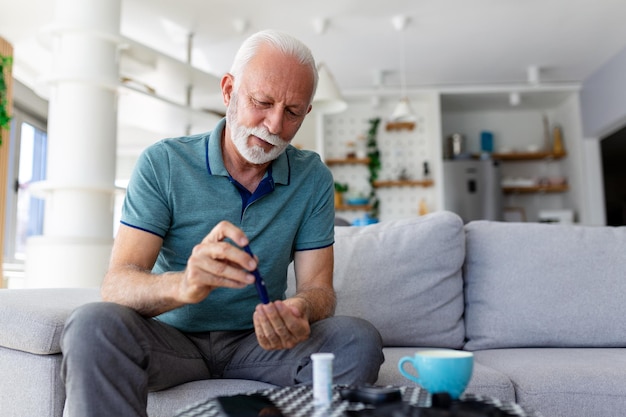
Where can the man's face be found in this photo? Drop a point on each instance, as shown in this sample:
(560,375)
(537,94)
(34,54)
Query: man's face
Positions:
(251,150)
(268,107)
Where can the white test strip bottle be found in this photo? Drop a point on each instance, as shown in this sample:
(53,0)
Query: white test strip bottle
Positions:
(322,379)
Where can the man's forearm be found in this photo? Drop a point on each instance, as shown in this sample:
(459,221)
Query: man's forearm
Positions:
(147,293)
(319,303)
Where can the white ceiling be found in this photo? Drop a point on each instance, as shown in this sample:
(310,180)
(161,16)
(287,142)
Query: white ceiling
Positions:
(447,42)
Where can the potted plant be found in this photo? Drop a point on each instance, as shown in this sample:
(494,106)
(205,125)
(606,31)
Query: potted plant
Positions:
(340,189)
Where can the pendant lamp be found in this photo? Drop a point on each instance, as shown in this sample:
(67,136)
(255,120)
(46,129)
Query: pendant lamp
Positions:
(403,112)
(327,98)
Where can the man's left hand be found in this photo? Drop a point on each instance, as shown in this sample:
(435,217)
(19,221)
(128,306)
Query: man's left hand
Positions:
(280,324)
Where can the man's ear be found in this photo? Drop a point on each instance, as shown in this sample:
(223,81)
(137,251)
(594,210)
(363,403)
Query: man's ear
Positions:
(227,84)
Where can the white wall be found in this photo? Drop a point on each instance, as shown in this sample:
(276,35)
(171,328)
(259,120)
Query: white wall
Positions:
(513,130)
(27,100)
(595,212)
(603,98)
(568,116)
(603,111)
(306,136)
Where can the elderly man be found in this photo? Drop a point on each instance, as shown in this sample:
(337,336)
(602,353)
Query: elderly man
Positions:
(180,300)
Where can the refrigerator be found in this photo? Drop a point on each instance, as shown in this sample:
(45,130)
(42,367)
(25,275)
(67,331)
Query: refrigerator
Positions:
(471,188)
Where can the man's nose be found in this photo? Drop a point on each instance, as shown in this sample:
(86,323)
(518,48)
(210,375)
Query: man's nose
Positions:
(274,120)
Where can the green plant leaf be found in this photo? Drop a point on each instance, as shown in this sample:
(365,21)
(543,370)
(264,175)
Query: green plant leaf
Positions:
(374,165)
(5,118)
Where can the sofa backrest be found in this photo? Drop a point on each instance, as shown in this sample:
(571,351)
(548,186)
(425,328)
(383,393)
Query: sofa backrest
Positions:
(404,276)
(544,285)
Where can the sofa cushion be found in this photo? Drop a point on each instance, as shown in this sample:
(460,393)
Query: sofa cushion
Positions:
(544,285)
(404,276)
(568,382)
(32,320)
(30,385)
(484,381)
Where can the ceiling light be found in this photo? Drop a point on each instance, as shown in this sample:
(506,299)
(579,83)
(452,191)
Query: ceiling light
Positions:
(327,97)
(240,25)
(320,24)
(533,74)
(379,76)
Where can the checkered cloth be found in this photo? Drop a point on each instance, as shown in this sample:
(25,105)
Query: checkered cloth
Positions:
(298,402)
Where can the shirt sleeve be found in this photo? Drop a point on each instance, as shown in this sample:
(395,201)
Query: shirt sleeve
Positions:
(146,205)
(317,231)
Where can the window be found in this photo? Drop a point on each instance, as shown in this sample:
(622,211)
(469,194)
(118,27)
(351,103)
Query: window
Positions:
(27,164)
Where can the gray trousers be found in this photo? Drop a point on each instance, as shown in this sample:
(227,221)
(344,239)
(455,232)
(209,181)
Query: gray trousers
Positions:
(112,358)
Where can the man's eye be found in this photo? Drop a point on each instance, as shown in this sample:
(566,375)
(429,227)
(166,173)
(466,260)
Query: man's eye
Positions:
(260,103)
(296,111)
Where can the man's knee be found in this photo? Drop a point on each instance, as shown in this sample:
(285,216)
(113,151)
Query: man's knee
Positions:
(353,325)
(356,337)
(91,324)
(357,346)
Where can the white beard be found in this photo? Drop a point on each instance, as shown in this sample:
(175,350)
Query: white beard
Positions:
(240,134)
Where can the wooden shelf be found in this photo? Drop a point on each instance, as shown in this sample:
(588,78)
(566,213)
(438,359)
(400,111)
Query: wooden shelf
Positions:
(526,156)
(348,207)
(400,126)
(403,183)
(536,189)
(349,161)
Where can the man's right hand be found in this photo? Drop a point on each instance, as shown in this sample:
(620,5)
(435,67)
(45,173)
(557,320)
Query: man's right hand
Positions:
(213,263)
(216,263)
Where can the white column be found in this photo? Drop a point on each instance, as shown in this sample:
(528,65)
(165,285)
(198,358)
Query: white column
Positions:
(82,126)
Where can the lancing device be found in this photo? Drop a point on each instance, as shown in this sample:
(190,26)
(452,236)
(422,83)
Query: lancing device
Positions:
(258,280)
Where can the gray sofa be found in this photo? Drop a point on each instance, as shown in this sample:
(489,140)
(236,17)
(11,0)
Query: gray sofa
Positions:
(541,306)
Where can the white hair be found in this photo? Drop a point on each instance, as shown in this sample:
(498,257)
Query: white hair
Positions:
(285,43)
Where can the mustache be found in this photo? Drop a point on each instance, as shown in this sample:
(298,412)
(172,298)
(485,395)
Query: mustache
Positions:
(263,133)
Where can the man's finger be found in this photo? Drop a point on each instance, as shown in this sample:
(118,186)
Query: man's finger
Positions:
(225,229)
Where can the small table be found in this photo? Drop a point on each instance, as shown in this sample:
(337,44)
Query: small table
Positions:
(298,402)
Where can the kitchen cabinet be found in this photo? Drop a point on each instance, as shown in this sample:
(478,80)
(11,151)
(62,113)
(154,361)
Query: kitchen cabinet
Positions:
(533,179)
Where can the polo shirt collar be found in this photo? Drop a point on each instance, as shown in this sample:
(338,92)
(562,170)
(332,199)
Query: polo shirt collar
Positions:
(280,166)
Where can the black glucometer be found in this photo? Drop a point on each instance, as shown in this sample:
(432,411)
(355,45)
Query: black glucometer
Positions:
(371,395)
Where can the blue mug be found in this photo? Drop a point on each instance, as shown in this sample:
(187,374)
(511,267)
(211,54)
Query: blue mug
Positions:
(440,370)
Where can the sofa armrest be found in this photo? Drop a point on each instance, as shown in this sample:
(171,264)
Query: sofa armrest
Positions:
(32,320)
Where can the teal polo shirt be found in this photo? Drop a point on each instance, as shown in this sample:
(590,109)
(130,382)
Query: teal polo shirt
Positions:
(180,190)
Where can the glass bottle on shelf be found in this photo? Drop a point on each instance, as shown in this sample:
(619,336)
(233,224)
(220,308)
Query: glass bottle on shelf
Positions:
(558,148)
(547,140)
